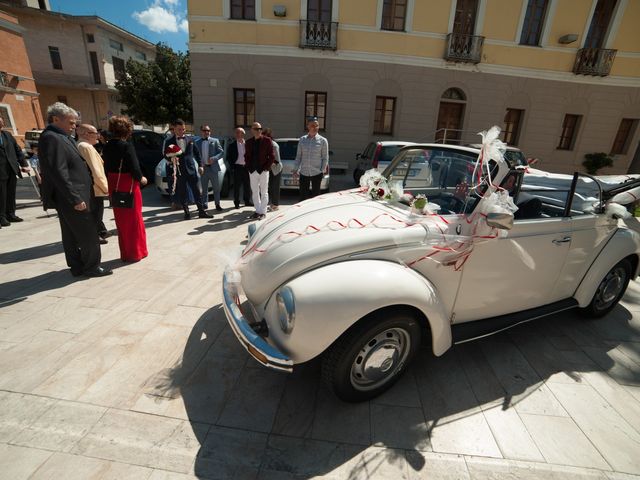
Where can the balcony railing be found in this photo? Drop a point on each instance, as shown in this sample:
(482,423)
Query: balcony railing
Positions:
(323,35)
(464,48)
(594,61)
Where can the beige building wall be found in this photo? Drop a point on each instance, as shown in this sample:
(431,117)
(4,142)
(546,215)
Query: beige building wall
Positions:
(265,54)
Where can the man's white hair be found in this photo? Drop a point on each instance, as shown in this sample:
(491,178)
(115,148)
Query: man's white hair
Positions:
(61,110)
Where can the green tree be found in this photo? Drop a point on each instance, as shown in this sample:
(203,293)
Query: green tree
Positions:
(159,91)
(595,161)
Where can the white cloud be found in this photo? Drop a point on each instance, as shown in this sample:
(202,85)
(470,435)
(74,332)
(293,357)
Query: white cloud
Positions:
(163,16)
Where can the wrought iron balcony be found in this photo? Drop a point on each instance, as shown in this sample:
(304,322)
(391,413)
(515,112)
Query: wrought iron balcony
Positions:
(594,61)
(464,48)
(322,35)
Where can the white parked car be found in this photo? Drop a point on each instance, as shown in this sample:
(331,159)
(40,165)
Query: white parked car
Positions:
(162,184)
(288,150)
(364,281)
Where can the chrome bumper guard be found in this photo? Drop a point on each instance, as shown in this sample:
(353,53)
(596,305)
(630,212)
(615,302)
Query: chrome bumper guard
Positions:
(257,347)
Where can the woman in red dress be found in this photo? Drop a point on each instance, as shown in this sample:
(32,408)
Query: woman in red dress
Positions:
(124,175)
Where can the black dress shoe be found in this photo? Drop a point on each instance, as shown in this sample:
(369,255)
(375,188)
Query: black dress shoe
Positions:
(14,218)
(236,204)
(254,216)
(76,273)
(4,222)
(204,214)
(218,208)
(262,216)
(187,216)
(98,272)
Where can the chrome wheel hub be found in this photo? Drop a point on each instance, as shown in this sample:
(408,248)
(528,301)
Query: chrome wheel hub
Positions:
(610,288)
(380,359)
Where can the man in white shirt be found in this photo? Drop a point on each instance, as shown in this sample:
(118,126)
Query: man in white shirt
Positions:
(312,160)
(235,158)
(87,138)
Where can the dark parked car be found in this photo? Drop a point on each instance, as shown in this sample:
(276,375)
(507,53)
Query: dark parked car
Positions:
(148,145)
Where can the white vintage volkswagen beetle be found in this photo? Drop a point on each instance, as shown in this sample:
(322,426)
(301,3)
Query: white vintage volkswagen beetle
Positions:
(363,278)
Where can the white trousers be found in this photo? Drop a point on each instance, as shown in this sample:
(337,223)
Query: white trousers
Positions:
(260,191)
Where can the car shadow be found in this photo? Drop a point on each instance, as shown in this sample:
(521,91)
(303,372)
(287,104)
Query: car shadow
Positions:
(290,425)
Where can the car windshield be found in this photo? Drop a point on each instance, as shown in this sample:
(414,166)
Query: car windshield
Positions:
(443,175)
(150,140)
(288,149)
(388,152)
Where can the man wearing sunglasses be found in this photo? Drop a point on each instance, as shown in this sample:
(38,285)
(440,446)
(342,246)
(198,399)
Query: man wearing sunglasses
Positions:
(259,157)
(210,153)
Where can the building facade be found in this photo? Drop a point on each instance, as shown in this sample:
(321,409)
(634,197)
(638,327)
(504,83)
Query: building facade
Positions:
(76,59)
(19,104)
(561,77)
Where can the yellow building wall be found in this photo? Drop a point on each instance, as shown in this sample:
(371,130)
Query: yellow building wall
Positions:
(360,12)
(628,37)
(292,6)
(431,16)
(205,7)
(570,17)
(501,19)
(390,43)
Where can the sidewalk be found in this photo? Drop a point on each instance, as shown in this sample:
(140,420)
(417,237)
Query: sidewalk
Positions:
(138,376)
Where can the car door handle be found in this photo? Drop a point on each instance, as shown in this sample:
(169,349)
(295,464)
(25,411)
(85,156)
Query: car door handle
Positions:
(561,241)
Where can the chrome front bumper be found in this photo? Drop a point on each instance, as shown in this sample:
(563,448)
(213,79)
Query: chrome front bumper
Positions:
(259,349)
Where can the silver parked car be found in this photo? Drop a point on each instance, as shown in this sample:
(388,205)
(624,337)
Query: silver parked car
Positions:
(288,149)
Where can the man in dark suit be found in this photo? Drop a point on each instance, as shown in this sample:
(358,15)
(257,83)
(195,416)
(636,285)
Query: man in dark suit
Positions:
(67,186)
(235,158)
(187,174)
(12,164)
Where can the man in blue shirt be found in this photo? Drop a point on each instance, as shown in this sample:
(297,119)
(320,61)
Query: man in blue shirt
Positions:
(312,160)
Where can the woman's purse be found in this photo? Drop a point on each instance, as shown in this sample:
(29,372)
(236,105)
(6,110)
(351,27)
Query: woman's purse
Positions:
(122,199)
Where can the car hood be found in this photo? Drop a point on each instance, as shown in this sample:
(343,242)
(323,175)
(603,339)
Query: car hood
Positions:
(318,232)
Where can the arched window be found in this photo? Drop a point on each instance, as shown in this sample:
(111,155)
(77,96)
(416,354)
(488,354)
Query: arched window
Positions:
(450,116)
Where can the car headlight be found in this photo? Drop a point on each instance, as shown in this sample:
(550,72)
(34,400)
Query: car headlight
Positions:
(286,309)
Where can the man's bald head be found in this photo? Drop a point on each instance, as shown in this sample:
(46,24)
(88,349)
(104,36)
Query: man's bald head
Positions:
(87,133)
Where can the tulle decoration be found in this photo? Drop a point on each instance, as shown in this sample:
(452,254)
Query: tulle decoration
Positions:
(492,149)
(616,210)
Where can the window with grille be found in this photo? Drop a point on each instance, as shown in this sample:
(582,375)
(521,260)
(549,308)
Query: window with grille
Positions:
(56,60)
(533,22)
(394,13)
(244,106)
(512,121)
(118,68)
(91,38)
(623,137)
(569,131)
(243,9)
(384,115)
(315,105)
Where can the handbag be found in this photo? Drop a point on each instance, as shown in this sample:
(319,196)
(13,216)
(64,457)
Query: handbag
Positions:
(122,199)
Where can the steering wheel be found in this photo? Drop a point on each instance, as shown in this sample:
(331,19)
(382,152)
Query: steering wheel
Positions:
(453,203)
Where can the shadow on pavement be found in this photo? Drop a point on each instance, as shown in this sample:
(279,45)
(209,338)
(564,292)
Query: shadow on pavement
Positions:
(288,424)
(31,253)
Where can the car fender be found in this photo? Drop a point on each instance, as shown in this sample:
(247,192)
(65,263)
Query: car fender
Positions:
(330,299)
(622,244)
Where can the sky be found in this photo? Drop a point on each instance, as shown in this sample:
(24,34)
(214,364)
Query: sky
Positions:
(154,20)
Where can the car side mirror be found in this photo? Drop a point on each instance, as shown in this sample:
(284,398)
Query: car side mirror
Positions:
(503,221)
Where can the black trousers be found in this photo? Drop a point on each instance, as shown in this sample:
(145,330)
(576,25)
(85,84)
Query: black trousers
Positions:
(79,239)
(8,195)
(241,180)
(183,194)
(310,186)
(274,189)
(98,213)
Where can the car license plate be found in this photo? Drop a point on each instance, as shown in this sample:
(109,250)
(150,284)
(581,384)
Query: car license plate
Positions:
(401,172)
(291,183)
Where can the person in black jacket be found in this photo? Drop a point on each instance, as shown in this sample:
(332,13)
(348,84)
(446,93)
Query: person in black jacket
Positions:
(12,164)
(187,174)
(67,186)
(235,158)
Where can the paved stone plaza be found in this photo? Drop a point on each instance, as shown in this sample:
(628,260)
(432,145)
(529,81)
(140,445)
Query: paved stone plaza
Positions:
(138,376)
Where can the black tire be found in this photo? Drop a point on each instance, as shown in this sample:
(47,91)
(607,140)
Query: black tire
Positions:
(610,290)
(356,176)
(387,340)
